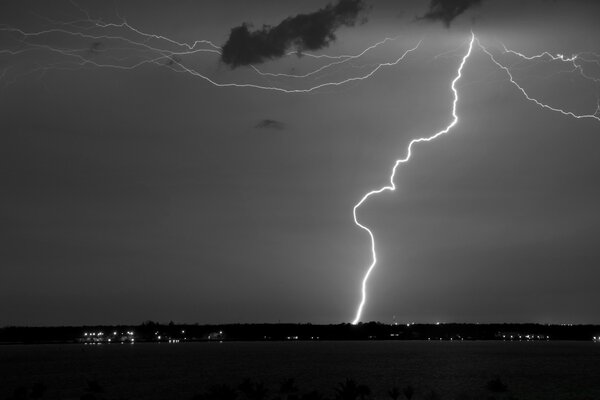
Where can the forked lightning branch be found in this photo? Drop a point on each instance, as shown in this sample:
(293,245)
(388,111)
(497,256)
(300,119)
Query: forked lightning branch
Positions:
(153,49)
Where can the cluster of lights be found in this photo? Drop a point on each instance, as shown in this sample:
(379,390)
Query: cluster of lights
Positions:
(525,337)
(98,337)
(159,337)
(216,336)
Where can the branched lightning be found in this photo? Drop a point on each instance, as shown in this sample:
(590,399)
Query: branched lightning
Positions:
(143,48)
(558,57)
(573,60)
(392,186)
(149,48)
(340,60)
(310,89)
(178,66)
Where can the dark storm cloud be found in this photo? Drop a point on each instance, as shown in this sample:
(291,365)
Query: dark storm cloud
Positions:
(304,32)
(270,124)
(447,10)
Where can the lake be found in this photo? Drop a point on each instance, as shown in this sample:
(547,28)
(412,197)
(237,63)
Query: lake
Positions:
(531,370)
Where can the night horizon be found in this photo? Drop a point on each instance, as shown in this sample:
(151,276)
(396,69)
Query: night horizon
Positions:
(201,162)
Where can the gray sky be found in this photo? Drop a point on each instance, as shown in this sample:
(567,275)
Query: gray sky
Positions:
(141,194)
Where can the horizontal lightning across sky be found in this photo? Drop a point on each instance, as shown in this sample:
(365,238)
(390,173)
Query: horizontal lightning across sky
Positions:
(143,48)
(147,53)
(339,60)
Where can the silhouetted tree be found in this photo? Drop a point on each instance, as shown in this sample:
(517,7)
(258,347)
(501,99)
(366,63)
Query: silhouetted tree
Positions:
(218,392)
(94,387)
(463,396)
(350,390)
(38,390)
(314,395)
(363,392)
(496,386)
(432,395)
(253,391)
(394,393)
(260,391)
(20,393)
(246,387)
(288,389)
(408,392)
(347,390)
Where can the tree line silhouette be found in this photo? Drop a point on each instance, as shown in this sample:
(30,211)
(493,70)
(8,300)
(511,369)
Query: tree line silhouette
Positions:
(249,389)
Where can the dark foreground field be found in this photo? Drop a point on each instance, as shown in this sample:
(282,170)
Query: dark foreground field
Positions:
(229,370)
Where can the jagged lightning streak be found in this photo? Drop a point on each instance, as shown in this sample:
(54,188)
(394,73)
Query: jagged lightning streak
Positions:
(595,115)
(341,60)
(84,28)
(573,60)
(392,186)
(170,56)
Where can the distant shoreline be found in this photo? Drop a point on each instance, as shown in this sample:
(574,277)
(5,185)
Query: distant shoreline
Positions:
(152,332)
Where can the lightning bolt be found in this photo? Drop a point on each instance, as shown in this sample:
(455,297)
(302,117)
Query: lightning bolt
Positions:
(392,186)
(149,48)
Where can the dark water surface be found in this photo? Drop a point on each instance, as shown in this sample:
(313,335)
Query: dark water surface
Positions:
(531,370)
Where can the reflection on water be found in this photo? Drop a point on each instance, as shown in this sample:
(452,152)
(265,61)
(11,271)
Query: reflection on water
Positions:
(540,370)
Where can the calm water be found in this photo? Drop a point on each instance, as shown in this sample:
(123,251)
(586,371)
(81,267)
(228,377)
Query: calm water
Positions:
(545,370)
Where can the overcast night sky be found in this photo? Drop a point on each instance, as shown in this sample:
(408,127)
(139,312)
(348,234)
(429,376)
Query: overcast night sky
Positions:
(131,194)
